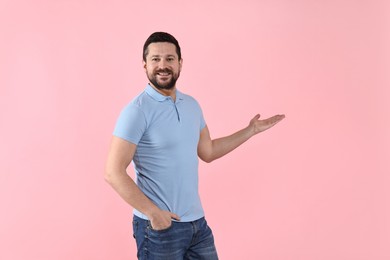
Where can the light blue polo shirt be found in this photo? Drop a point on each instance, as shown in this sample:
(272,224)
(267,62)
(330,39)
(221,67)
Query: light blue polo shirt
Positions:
(166,161)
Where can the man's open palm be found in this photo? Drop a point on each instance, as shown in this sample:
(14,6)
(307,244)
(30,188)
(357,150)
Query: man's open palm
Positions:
(260,125)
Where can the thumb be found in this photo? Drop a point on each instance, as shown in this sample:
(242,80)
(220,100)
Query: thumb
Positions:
(174,216)
(256,117)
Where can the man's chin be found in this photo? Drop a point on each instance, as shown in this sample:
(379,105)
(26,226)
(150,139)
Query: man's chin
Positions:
(165,85)
(165,88)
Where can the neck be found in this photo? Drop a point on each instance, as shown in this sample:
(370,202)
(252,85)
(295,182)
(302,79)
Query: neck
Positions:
(166,92)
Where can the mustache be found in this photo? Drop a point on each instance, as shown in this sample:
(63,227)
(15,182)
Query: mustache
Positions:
(164,71)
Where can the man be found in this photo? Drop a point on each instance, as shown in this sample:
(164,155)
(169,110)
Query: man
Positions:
(163,132)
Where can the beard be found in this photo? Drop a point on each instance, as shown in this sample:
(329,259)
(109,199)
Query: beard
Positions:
(163,84)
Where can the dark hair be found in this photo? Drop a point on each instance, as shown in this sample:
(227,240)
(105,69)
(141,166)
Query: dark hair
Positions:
(161,37)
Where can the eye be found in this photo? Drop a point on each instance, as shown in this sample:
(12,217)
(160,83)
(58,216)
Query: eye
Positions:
(170,59)
(155,59)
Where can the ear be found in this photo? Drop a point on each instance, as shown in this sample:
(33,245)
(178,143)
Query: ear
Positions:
(181,63)
(144,64)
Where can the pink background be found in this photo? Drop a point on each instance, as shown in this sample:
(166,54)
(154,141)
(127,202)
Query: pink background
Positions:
(317,186)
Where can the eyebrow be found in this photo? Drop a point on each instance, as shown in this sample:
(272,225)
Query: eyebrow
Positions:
(158,56)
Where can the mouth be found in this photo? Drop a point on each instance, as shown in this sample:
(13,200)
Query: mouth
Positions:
(163,74)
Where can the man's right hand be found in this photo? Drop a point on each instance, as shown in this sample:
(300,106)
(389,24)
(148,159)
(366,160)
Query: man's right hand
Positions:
(162,219)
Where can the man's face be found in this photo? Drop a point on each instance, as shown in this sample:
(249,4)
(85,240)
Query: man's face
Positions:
(162,65)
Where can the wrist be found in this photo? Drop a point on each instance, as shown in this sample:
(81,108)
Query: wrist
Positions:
(152,212)
(250,131)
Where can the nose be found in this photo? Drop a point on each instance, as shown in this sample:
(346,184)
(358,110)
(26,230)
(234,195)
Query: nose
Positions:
(162,64)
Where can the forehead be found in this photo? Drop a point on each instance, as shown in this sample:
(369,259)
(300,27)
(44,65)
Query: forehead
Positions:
(162,49)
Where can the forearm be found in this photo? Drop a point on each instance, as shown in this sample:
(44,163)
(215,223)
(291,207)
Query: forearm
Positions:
(224,145)
(124,185)
(209,150)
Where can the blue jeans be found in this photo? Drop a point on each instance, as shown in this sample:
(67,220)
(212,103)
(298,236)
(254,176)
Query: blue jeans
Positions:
(182,240)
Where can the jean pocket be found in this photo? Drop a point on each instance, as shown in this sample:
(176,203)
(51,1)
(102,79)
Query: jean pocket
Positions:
(135,227)
(160,230)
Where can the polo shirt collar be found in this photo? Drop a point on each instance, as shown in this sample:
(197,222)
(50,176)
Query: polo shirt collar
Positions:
(160,97)
(179,96)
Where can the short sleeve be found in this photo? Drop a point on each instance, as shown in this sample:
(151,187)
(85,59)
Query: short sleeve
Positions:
(202,121)
(131,124)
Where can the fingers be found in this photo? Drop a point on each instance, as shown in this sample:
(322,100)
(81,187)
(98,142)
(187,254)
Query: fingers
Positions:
(262,125)
(256,117)
(175,217)
(275,119)
(163,220)
(279,117)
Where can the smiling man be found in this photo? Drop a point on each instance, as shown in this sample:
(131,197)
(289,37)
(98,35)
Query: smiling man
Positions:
(163,132)
(163,68)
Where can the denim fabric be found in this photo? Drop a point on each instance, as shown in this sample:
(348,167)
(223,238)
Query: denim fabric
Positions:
(181,241)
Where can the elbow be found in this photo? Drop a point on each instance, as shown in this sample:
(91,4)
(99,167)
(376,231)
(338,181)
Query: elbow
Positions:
(207,159)
(108,175)
(206,152)
(114,174)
